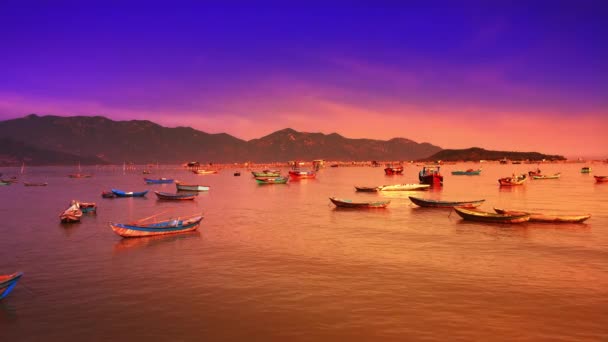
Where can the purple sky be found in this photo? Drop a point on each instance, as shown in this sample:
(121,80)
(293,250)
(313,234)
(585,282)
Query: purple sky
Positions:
(457,74)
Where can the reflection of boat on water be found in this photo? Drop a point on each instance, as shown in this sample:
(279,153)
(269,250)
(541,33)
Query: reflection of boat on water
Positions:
(124,245)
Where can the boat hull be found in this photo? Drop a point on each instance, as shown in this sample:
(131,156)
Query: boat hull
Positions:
(466,173)
(270,174)
(404,187)
(174,197)
(159,228)
(390,171)
(192,187)
(445,204)
(302,174)
(8,283)
(554,176)
(543,218)
(345,203)
(158,181)
(276,180)
(367,188)
(601,179)
(482,216)
(120,193)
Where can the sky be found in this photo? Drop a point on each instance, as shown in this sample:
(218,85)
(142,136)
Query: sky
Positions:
(517,76)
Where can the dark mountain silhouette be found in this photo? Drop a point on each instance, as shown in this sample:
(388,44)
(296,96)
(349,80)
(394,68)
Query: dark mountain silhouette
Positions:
(15,152)
(476,154)
(96,139)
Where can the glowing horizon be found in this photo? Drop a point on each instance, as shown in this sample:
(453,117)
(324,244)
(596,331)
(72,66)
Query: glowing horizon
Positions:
(496,77)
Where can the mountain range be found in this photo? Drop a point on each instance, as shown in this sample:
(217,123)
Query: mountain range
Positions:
(43,140)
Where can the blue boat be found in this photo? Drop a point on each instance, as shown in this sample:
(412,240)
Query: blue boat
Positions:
(8,283)
(171,226)
(158,181)
(120,193)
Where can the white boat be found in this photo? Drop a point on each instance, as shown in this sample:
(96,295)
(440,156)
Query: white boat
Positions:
(191,187)
(404,187)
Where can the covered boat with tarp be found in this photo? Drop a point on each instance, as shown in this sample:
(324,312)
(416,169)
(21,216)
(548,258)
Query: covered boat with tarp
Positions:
(163,227)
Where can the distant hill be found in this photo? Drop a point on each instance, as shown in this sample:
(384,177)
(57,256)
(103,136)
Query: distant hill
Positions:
(16,152)
(96,140)
(476,154)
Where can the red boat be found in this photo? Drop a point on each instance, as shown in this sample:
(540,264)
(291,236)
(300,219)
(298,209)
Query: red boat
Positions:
(513,180)
(430,175)
(297,174)
(390,170)
(601,179)
(534,173)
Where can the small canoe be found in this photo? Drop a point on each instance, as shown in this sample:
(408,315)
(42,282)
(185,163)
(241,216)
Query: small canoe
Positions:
(87,207)
(538,217)
(120,193)
(469,172)
(445,204)
(482,216)
(171,226)
(158,181)
(177,196)
(204,172)
(367,188)
(35,184)
(71,214)
(266,173)
(347,203)
(302,174)
(79,175)
(275,180)
(191,187)
(404,187)
(8,283)
(601,179)
(553,176)
(513,181)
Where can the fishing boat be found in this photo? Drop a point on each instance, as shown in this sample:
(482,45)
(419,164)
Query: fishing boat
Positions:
(237,173)
(513,180)
(35,184)
(170,226)
(445,204)
(367,188)
(553,176)
(469,172)
(176,197)
(275,180)
(158,181)
(586,169)
(534,173)
(204,172)
(393,170)
(482,216)
(404,187)
(299,174)
(87,207)
(191,187)
(266,173)
(544,218)
(8,283)
(430,175)
(71,214)
(601,179)
(120,193)
(347,203)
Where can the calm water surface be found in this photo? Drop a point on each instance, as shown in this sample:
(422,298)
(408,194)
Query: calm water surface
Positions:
(278,262)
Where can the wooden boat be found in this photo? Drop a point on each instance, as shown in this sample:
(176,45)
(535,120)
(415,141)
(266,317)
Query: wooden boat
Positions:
(538,217)
(191,187)
(346,203)
(120,193)
(108,194)
(482,216)
(601,179)
(89,207)
(171,226)
(71,214)
(177,196)
(204,172)
(35,184)
(266,173)
(445,204)
(553,176)
(393,170)
(298,174)
(8,283)
(469,172)
(367,188)
(404,187)
(79,175)
(430,175)
(586,169)
(512,181)
(158,181)
(275,180)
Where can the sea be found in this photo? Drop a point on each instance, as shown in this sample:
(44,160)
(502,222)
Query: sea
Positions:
(281,263)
